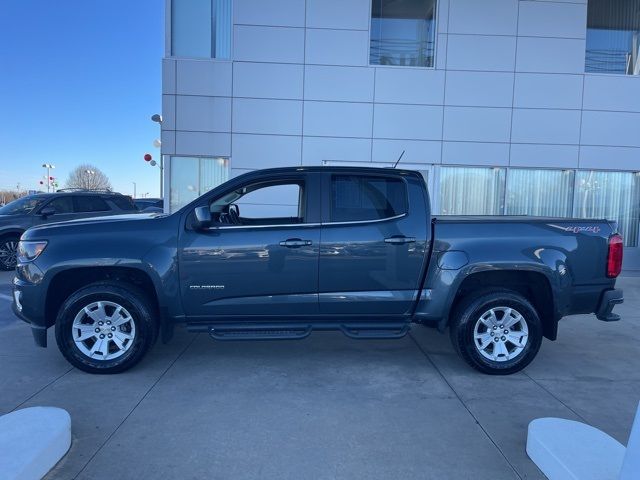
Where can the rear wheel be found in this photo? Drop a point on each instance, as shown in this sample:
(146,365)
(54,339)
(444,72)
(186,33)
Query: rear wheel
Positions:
(9,252)
(105,328)
(497,332)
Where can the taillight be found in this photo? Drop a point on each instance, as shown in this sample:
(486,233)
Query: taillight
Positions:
(614,258)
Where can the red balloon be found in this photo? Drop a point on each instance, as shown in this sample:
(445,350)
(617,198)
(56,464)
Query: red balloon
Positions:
(147,157)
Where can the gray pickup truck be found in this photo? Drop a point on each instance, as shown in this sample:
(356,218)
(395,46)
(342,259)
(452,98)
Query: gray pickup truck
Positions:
(355,250)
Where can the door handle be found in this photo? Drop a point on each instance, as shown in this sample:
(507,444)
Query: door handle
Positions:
(295,243)
(399,240)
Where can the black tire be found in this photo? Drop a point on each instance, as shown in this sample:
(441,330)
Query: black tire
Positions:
(8,251)
(136,303)
(468,313)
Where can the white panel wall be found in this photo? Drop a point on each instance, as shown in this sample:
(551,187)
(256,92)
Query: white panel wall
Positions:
(612,92)
(550,55)
(347,84)
(487,17)
(477,124)
(409,85)
(550,156)
(209,114)
(413,122)
(268,44)
(353,15)
(203,77)
(338,119)
(268,80)
(475,153)
(551,19)
(415,151)
(480,89)
(283,13)
(315,150)
(611,129)
(203,143)
(337,47)
(546,126)
(481,52)
(279,117)
(265,151)
(540,90)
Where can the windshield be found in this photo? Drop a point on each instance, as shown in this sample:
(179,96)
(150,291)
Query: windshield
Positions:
(21,206)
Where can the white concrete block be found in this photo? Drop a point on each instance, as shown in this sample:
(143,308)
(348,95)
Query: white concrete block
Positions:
(265,151)
(348,84)
(284,13)
(565,449)
(475,153)
(421,152)
(612,92)
(278,117)
(617,129)
(550,55)
(204,114)
(477,124)
(546,126)
(204,77)
(479,89)
(409,85)
(488,17)
(205,144)
(338,14)
(32,441)
(481,52)
(546,19)
(315,150)
(609,158)
(268,44)
(412,122)
(337,47)
(338,119)
(267,80)
(539,90)
(538,155)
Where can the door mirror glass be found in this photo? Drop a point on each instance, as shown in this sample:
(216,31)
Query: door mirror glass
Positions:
(202,218)
(47,212)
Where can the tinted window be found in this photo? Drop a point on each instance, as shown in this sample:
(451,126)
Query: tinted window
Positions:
(61,205)
(21,206)
(91,204)
(124,203)
(355,198)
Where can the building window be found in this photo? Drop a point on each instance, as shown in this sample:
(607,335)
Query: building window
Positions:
(613,36)
(471,190)
(612,196)
(541,193)
(403,32)
(194,176)
(201,28)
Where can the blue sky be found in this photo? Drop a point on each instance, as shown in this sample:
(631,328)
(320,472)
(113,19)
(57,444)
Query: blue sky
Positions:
(79,80)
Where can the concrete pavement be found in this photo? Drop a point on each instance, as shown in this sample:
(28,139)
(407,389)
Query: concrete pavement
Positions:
(327,406)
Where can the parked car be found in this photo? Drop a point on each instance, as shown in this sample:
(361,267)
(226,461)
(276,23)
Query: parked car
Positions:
(38,209)
(149,205)
(359,252)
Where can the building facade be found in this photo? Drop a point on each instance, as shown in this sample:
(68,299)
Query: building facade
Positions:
(505,106)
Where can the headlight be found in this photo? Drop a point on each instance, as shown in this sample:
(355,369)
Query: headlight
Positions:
(29,251)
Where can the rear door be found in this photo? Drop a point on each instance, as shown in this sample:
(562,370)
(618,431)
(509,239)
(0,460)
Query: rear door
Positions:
(373,242)
(91,206)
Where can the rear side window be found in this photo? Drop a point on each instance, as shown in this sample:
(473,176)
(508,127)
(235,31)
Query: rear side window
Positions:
(90,204)
(124,203)
(61,205)
(360,198)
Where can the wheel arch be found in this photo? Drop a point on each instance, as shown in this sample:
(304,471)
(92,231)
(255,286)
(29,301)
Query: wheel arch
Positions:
(532,284)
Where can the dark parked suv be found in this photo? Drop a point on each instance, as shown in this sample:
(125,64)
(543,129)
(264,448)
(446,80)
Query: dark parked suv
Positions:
(32,210)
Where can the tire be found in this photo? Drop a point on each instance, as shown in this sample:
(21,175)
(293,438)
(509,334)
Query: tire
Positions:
(128,327)
(473,331)
(8,252)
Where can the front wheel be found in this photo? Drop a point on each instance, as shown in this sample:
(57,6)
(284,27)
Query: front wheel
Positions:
(105,328)
(496,332)
(9,252)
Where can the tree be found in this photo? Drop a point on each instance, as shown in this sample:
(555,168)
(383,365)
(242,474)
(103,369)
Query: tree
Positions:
(88,177)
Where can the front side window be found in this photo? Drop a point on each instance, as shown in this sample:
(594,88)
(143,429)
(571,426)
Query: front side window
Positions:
(194,176)
(201,28)
(540,193)
(61,205)
(403,32)
(613,37)
(21,206)
(359,198)
(471,190)
(609,195)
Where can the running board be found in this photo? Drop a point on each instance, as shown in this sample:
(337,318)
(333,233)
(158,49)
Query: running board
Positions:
(298,331)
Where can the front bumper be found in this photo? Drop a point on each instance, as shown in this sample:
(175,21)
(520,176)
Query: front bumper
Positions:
(28,305)
(609,299)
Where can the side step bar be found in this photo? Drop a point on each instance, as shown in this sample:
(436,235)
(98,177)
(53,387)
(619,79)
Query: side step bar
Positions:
(298,331)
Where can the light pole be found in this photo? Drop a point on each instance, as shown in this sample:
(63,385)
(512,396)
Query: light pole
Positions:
(48,166)
(134,189)
(157,118)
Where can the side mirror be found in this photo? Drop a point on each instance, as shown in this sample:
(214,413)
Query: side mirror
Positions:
(202,218)
(47,212)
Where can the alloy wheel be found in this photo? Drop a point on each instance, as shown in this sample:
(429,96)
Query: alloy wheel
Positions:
(501,334)
(9,254)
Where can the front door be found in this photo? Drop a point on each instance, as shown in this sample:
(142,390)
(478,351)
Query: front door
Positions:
(262,261)
(373,248)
